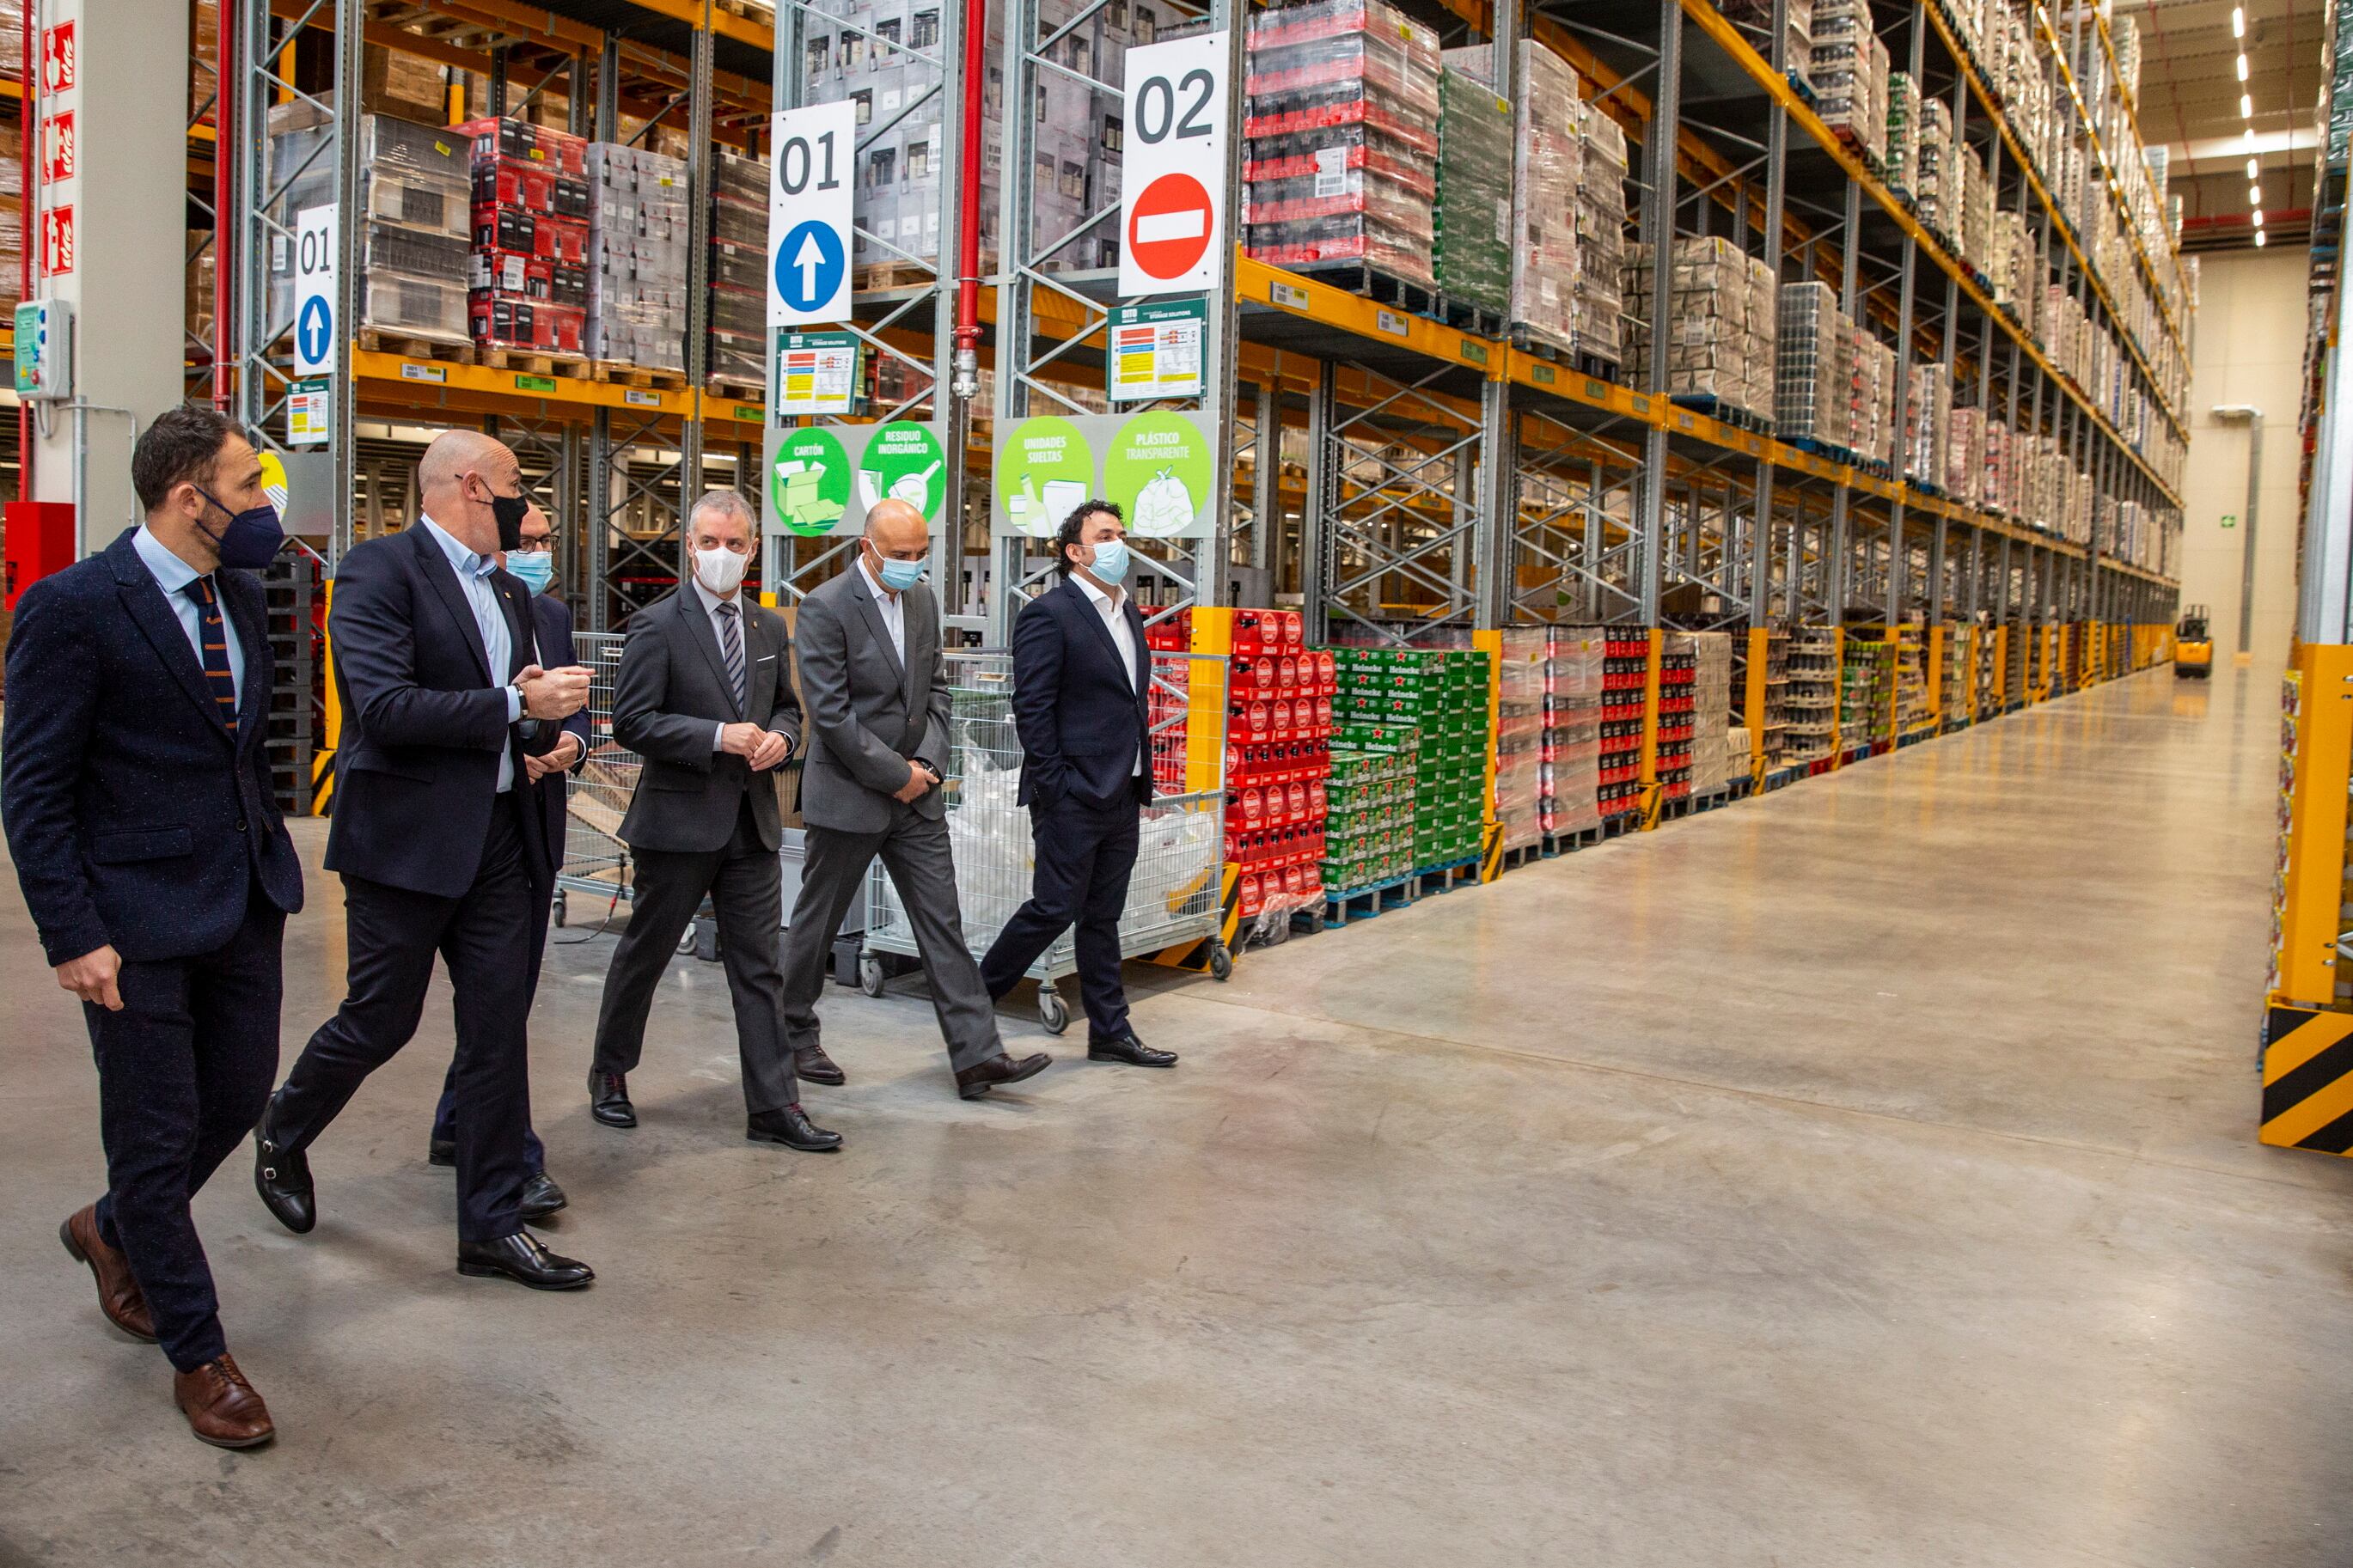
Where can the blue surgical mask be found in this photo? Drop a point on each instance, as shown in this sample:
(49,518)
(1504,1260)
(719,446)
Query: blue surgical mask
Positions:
(901,575)
(1110,566)
(534,567)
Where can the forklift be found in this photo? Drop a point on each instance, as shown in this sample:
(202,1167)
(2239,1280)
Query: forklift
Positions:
(2193,645)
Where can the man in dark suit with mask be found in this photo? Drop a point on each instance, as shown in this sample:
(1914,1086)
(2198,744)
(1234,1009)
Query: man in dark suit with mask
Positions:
(441,849)
(533,565)
(1082,685)
(705,696)
(136,789)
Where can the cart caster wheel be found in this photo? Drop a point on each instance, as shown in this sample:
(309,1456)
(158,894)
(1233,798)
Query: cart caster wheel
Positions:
(1053,1013)
(558,912)
(869,973)
(1221,962)
(686,943)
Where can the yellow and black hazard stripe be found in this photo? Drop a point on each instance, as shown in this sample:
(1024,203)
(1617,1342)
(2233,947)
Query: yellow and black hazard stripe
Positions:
(2308,1080)
(1199,956)
(1490,853)
(323,781)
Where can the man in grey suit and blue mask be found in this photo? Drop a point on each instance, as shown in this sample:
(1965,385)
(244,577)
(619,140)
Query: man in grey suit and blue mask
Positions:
(875,680)
(705,696)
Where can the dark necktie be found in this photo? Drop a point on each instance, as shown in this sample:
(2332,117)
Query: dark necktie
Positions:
(731,648)
(213,638)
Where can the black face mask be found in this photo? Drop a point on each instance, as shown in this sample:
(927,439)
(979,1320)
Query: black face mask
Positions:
(508,511)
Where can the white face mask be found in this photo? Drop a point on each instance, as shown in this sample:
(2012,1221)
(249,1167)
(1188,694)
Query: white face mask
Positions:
(721,571)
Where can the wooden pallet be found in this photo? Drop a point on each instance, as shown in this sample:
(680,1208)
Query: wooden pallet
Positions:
(569,367)
(377,340)
(761,11)
(619,373)
(742,391)
(876,276)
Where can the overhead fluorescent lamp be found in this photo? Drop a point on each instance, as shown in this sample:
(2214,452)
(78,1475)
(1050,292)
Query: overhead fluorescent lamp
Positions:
(2243,68)
(2238,21)
(2246,107)
(2252,172)
(2259,239)
(2254,194)
(2259,217)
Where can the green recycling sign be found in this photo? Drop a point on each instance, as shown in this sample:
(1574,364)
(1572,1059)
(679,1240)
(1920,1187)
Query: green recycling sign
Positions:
(823,478)
(1159,468)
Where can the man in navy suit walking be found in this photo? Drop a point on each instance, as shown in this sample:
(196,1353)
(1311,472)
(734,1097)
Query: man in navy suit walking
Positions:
(1082,685)
(533,565)
(136,787)
(441,848)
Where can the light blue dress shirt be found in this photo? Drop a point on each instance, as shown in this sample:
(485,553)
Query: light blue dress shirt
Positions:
(474,577)
(172,575)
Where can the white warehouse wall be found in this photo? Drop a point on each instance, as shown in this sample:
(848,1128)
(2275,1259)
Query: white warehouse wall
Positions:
(2248,350)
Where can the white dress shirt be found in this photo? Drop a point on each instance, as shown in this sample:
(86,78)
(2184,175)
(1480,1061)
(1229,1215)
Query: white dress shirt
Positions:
(1113,611)
(498,643)
(894,612)
(172,575)
(711,603)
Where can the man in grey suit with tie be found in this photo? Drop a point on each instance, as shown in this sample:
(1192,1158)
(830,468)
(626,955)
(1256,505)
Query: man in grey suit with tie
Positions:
(705,696)
(876,683)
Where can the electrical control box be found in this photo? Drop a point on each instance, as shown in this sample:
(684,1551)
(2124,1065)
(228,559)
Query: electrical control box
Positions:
(44,349)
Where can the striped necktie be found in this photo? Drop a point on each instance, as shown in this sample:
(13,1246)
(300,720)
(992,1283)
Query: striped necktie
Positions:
(730,645)
(213,638)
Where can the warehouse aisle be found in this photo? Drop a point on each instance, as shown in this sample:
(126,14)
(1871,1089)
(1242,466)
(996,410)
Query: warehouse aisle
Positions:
(1861,1177)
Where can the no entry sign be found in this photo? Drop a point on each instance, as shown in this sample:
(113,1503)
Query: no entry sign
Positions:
(1173,183)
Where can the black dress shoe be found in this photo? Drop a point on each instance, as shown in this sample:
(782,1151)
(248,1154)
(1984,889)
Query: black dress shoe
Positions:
(1129,1049)
(441,1151)
(793,1129)
(282,1177)
(542,1197)
(813,1066)
(521,1258)
(608,1100)
(978,1079)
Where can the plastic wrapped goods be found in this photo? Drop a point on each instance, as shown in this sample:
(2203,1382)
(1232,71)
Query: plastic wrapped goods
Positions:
(1340,116)
(1815,370)
(1471,218)
(638,234)
(416,183)
(1572,737)
(1520,672)
(1600,302)
(1547,151)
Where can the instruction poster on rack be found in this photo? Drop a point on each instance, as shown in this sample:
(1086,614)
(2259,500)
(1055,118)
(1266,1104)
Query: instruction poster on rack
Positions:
(821,480)
(1156,350)
(1159,468)
(816,372)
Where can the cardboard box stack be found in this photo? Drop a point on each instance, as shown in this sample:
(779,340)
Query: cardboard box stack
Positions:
(1547,152)
(1713,763)
(1599,303)
(1814,367)
(1849,69)
(1756,16)
(1625,675)
(414,184)
(1929,416)
(1871,419)
(1678,715)
(739,270)
(1471,215)
(1341,166)
(1574,660)
(1965,455)
(639,231)
(1521,677)
(1279,716)
(1935,181)
(1368,836)
(1441,697)
(1720,322)
(528,278)
(1903,134)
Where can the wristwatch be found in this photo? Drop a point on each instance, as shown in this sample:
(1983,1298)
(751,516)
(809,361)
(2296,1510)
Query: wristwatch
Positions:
(527,727)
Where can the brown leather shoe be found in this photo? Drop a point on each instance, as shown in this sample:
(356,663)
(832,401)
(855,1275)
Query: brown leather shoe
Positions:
(118,1292)
(981,1077)
(221,1407)
(811,1064)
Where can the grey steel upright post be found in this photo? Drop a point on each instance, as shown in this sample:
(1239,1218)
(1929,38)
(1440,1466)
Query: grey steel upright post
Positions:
(1657,230)
(1497,479)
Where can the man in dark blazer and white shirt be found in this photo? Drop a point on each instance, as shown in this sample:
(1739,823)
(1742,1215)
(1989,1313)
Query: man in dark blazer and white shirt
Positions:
(533,565)
(705,696)
(1081,703)
(135,784)
(875,680)
(441,846)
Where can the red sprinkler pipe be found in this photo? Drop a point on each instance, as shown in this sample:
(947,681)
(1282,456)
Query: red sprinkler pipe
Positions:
(966,383)
(225,75)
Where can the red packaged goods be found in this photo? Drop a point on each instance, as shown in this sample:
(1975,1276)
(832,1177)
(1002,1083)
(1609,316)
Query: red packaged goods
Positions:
(496,139)
(502,320)
(512,272)
(512,183)
(1286,675)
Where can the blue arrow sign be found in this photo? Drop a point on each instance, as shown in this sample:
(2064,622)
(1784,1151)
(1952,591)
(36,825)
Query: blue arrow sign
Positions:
(809,266)
(314,331)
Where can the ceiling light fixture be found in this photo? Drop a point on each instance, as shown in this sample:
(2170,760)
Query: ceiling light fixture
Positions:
(2259,239)
(2259,217)
(2254,194)
(2238,21)
(2243,68)
(2246,107)
(2251,171)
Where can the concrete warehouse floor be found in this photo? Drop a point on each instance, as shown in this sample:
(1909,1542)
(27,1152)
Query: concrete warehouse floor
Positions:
(1862,1176)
